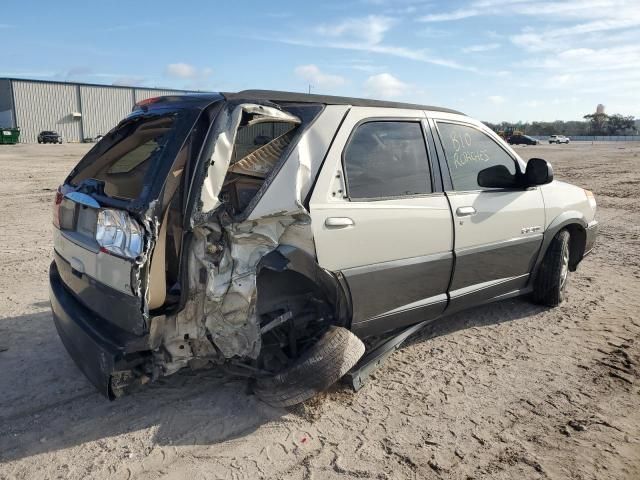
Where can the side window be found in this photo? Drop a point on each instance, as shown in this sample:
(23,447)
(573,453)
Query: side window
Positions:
(387,159)
(468,151)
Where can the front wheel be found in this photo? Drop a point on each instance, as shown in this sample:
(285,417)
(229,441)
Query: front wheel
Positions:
(326,362)
(551,282)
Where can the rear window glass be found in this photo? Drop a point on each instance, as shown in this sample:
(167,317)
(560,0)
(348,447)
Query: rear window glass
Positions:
(125,155)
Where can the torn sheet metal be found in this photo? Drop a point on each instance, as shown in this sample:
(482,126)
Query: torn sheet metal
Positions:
(289,188)
(224,256)
(223,147)
(262,160)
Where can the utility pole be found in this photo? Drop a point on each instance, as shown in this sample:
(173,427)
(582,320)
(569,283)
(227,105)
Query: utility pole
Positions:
(309,88)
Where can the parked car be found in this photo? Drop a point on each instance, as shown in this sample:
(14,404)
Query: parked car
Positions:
(95,139)
(522,140)
(49,136)
(558,139)
(187,238)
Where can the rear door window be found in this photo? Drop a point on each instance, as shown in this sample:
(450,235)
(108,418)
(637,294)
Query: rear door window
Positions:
(123,158)
(387,159)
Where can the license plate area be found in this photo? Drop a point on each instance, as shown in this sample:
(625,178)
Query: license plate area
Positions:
(79,220)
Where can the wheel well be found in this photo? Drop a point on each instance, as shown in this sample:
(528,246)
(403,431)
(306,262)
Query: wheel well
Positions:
(577,243)
(276,289)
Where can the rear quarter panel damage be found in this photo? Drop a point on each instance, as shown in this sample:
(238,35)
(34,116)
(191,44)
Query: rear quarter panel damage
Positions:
(219,318)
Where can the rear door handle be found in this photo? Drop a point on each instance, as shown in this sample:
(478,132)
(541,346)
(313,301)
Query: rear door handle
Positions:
(338,222)
(465,211)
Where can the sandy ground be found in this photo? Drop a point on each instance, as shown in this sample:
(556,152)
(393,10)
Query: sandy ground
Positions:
(509,390)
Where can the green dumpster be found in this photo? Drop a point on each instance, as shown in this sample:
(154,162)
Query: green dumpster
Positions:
(9,136)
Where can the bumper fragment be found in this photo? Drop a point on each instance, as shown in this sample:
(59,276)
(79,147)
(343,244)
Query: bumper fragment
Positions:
(592,233)
(96,346)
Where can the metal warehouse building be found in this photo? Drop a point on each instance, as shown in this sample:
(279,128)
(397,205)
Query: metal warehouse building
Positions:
(75,110)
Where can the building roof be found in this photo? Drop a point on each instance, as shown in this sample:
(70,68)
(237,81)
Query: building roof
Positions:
(269,95)
(293,97)
(61,82)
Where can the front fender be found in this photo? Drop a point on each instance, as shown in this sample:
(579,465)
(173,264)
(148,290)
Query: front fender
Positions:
(576,222)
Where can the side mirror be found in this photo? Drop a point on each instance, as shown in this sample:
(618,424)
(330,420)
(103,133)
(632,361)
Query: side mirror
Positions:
(538,172)
(497,176)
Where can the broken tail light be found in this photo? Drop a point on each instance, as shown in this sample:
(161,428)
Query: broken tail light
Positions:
(119,234)
(57,201)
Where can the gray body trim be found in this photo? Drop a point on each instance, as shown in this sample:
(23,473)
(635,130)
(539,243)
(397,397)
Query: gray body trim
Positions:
(486,292)
(499,260)
(392,294)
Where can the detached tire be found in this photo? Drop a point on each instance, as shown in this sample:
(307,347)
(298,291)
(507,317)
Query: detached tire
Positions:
(316,370)
(551,282)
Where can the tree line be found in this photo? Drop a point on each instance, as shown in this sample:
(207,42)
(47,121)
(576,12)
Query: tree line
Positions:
(593,124)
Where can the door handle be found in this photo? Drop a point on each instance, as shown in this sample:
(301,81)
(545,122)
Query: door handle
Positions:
(465,211)
(338,222)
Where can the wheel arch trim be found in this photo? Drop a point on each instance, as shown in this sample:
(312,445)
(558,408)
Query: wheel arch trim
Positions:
(577,224)
(288,258)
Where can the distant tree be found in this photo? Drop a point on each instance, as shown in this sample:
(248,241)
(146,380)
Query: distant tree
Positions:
(598,123)
(621,125)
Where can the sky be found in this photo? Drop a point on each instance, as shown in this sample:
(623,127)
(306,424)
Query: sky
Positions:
(511,60)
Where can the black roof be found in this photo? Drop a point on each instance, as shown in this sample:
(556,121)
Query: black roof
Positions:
(293,97)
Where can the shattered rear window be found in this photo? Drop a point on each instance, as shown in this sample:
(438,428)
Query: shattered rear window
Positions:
(127,154)
(257,149)
(259,146)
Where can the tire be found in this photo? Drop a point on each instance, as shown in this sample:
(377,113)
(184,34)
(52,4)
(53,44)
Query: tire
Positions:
(551,282)
(317,369)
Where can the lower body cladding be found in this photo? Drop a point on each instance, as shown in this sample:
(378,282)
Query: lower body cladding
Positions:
(390,295)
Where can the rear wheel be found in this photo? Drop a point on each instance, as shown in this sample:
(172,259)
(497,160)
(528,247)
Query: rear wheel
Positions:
(319,367)
(551,282)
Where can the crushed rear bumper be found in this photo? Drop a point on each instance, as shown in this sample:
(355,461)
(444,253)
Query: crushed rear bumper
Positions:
(98,348)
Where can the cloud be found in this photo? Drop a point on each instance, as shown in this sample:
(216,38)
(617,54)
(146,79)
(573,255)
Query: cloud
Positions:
(131,26)
(448,16)
(385,85)
(497,99)
(181,70)
(128,81)
(419,55)
(75,72)
(562,10)
(187,71)
(369,30)
(317,78)
(555,38)
(481,48)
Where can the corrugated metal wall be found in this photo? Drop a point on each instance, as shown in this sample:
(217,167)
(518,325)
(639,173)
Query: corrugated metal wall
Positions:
(144,93)
(103,108)
(49,106)
(46,106)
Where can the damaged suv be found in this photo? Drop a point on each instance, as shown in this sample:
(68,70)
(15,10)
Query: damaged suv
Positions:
(272,232)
